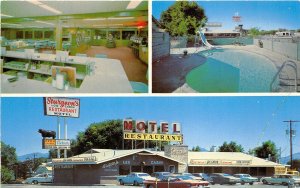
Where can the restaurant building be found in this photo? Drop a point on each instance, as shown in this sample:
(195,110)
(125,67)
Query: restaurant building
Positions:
(97,165)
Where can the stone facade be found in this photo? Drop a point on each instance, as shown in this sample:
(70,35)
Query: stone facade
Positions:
(180,153)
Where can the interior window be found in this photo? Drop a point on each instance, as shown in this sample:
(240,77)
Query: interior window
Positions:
(28,34)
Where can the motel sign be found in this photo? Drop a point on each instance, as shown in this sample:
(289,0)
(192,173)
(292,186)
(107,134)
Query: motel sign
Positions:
(168,132)
(140,127)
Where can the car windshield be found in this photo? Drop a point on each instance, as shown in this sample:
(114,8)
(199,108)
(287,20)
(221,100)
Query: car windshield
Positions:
(246,175)
(205,176)
(185,177)
(166,173)
(188,174)
(226,175)
(143,175)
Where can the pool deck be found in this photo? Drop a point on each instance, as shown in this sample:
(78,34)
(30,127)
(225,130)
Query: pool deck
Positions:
(169,74)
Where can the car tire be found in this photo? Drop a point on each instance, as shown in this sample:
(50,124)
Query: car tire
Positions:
(35,182)
(251,183)
(212,183)
(121,182)
(265,182)
(135,183)
(243,183)
(284,183)
(150,186)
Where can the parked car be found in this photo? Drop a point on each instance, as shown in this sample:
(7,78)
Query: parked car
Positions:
(135,178)
(190,179)
(40,178)
(293,172)
(204,176)
(284,179)
(161,175)
(173,183)
(222,178)
(192,176)
(246,178)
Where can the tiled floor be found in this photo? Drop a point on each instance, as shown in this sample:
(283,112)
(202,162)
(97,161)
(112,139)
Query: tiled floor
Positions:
(135,69)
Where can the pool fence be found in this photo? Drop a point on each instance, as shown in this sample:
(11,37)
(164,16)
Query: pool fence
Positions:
(289,47)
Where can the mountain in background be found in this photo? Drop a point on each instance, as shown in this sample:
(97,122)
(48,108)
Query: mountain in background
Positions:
(32,155)
(285,160)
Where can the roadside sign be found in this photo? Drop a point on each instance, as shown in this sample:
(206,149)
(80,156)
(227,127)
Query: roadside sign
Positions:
(63,107)
(56,144)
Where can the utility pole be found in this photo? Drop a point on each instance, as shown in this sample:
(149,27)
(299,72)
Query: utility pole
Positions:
(291,138)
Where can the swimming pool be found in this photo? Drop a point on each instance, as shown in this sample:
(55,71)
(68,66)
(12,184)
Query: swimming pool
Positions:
(227,70)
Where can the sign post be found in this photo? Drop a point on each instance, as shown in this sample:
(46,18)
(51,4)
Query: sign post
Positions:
(66,137)
(58,135)
(61,108)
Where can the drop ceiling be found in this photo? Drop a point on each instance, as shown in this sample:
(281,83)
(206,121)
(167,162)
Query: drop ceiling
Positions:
(85,14)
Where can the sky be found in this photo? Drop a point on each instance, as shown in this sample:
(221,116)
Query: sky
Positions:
(265,15)
(205,121)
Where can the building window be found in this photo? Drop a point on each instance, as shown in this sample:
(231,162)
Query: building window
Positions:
(172,168)
(136,168)
(48,34)
(115,34)
(100,34)
(124,169)
(159,168)
(19,35)
(38,34)
(28,34)
(148,169)
(127,34)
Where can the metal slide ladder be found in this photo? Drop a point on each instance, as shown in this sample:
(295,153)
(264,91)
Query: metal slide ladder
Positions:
(286,84)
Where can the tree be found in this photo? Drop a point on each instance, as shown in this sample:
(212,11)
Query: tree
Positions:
(254,32)
(296,164)
(231,147)
(183,18)
(8,160)
(266,150)
(104,135)
(197,148)
(24,168)
(6,175)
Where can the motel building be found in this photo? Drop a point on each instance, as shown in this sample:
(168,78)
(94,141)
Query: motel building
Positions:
(100,166)
(103,165)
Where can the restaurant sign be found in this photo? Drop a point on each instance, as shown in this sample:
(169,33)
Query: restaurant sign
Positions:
(56,144)
(64,107)
(75,159)
(220,162)
(140,130)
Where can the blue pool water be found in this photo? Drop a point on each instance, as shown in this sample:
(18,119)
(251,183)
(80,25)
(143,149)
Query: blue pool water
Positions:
(232,71)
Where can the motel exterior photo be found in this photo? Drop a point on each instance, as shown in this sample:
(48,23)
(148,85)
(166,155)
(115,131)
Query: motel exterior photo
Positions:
(99,166)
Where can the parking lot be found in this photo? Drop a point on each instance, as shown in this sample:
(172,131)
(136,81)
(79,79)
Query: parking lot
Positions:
(114,186)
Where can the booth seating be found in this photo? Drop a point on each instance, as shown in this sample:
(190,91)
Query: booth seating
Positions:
(81,55)
(101,56)
(139,87)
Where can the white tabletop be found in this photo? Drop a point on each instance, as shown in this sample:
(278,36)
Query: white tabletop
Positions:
(108,77)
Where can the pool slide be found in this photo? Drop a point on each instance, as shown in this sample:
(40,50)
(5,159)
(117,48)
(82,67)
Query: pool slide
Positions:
(204,40)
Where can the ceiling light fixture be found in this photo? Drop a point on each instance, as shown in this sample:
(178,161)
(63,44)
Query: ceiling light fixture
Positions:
(94,19)
(108,25)
(42,5)
(45,22)
(133,4)
(6,15)
(120,18)
(11,24)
